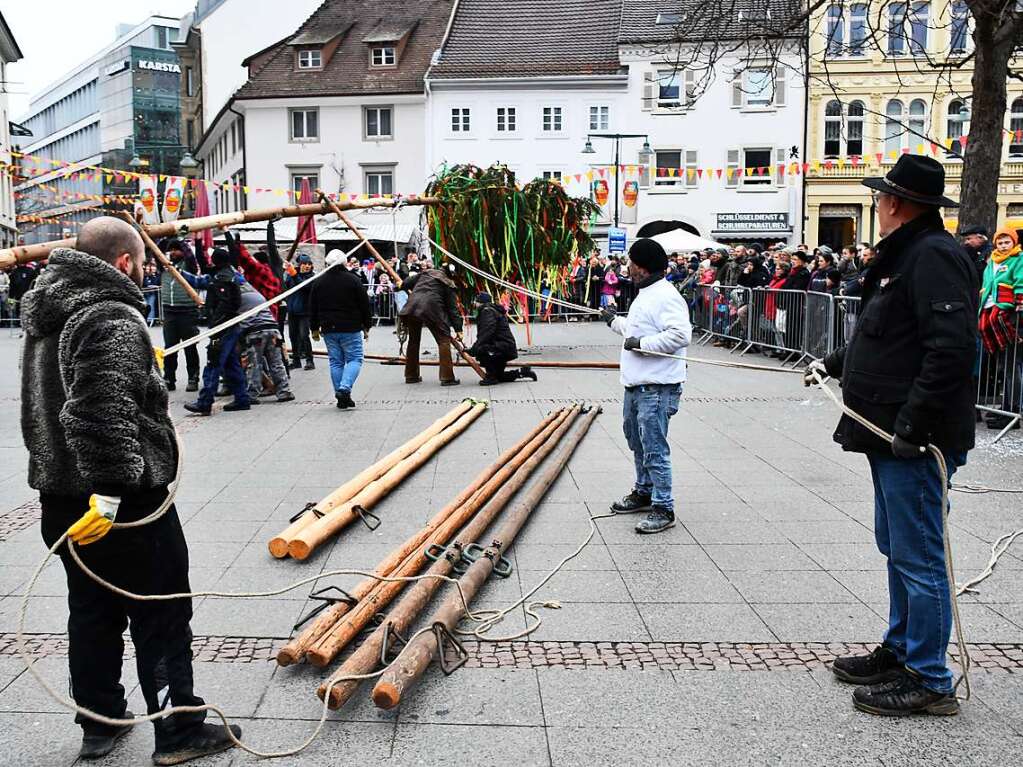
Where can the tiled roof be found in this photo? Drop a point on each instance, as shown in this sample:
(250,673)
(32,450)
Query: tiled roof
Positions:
(348,71)
(704,20)
(523,38)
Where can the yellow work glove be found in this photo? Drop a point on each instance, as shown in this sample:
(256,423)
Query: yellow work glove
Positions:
(158,355)
(96,522)
(316,335)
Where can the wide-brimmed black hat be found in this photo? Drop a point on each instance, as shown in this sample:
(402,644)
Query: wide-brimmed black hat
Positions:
(915,178)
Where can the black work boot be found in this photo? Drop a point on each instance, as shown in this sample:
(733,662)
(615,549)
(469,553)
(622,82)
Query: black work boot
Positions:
(632,503)
(881,665)
(171,385)
(309,365)
(527,372)
(452,382)
(195,407)
(193,384)
(344,399)
(488,381)
(202,741)
(903,697)
(658,520)
(96,745)
(235,406)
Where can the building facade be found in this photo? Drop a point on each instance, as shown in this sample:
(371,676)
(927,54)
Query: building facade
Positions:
(119,110)
(873,98)
(9,53)
(716,162)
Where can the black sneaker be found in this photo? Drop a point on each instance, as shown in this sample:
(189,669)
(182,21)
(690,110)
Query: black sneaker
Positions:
(195,407)
(903,697)
(285,396)
(309,365)
(206,740)
(344,399)
(98,745)
(414,380)
(658,520)
(632,503)
(880,666)
(452,382)
(193,384)
(488,381)
(527,372)
(235,406)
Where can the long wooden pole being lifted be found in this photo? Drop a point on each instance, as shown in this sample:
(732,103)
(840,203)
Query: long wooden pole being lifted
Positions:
(164,261)
(404,614)
(278,545)
(414,658)
(369,246)
(295,650)
(24,253)
(306,541)
(327,648)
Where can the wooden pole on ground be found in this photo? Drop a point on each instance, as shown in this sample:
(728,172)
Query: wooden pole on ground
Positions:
(383,593)
(414,658)
(158,254)
(383,359)
(306,541)
(295,650)
(460,347)
(278,545)
(404,614)
(369,246)
(24,253)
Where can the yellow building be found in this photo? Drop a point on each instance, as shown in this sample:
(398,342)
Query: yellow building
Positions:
(872,98)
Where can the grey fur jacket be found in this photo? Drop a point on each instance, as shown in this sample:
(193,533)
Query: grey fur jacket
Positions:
(93,404)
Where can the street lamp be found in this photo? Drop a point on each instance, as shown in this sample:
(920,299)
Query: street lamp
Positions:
(135,162)
(188,164)
(644,154)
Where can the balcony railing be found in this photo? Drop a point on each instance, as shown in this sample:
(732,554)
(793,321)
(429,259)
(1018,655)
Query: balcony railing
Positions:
(953,169)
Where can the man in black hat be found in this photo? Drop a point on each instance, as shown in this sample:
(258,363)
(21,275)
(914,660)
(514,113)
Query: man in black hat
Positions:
(907,369)
(658,321)
(495,345)
(977,243)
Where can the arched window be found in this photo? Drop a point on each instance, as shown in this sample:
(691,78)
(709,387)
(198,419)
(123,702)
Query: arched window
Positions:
(917,121)
(893,126)
(836,31)
(854,144)
(1016,128)
(958,123)
(833,128)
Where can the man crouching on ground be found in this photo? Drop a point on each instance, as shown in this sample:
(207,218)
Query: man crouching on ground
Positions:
(102,448)
(658,321)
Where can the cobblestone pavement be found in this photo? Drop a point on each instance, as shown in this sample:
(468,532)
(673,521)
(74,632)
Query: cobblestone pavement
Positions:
(665,649)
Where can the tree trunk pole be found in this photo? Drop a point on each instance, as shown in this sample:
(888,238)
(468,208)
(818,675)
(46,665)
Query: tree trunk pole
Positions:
(406,670)
(295,650)
(358,233)
(404,614)
(469,359)
(567,364)
(158,254)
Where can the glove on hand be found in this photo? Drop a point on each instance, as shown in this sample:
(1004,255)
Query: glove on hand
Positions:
(816,366)
(632,343)
(96,522)
(316,335)
(608,315)
(902,448)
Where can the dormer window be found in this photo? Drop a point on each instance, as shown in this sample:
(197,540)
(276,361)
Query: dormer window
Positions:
(310,58)
(383,56)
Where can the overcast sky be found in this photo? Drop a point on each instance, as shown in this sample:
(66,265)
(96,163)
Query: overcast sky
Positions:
(57,35)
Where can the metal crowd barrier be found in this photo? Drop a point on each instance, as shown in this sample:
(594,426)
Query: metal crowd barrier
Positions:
(152,296)
(1000,379)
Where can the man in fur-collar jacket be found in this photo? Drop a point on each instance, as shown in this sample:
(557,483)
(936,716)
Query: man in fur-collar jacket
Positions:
(102,448)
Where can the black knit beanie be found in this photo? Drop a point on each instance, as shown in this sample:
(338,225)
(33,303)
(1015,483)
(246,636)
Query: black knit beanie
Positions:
(648,254)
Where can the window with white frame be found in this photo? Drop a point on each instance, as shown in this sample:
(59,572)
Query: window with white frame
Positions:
(310,58)
(692,161)
(298,175)
(305,124)
(461,120)
(759,88)
(1016,128)
(668,168)
(506,120)
(669,89)
(833,128)
(908,27)
(552,119)
(958,125)
(894,126)
(854,130)
(919,18)
(600,118)
(897,42)
(377,122)
(383,56)
(917,122)
(552,175)
(846,29)
(959,35)
(756,166)
(378,181)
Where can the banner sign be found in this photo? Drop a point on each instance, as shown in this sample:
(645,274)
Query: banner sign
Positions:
(147,199)
(173,193)
(615,240)
(753,222)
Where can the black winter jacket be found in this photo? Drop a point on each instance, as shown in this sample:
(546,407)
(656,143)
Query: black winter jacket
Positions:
(432,300)
(759,277)
(493,335)
(338,303)
(93,403)
(908,366)
(798,279)
(223,298)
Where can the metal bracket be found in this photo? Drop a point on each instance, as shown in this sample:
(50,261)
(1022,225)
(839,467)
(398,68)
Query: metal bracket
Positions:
(319,596)
(365,515)
(453,553)
(502,567)
(445,639)
(392,640)
(308,507)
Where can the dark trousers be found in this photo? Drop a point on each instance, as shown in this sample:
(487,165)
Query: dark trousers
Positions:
(495,366)
(298,333)
(415,336)
(180,325)
(222,360)
(152,559)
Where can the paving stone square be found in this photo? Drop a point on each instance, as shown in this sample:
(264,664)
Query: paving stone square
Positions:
(708,644)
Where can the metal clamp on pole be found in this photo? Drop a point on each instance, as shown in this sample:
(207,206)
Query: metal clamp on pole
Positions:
(393,641)
(445,639)
(308,507)
(453,553)
(502,567)
(366,515)
(320,596)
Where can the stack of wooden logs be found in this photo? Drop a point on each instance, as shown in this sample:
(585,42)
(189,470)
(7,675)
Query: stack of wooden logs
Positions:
(322,520)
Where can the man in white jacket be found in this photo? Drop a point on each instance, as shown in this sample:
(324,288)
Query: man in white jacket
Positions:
(658,321)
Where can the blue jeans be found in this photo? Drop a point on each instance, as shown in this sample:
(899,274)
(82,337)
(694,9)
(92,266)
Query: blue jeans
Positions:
(222,360)
(908,530)
(648,409)
(345,353)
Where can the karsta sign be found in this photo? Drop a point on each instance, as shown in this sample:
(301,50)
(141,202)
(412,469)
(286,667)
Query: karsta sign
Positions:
(160,66)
